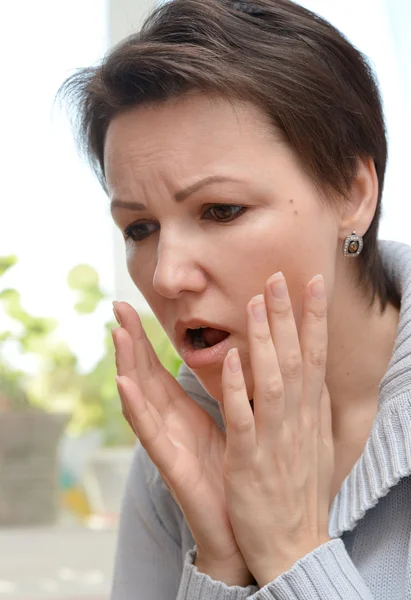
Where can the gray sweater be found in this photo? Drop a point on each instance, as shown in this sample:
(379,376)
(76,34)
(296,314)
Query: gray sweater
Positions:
(369,555)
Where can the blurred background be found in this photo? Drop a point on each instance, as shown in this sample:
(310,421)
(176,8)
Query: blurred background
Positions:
(65,448)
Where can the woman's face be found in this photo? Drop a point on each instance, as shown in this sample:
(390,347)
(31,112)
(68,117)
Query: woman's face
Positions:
(211,205)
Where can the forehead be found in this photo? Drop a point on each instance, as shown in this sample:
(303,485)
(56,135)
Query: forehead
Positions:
(191,130)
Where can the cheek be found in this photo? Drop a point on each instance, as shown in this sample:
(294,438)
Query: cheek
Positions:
(300,245)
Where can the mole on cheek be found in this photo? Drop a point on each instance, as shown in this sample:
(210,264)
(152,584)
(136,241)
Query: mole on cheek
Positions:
(291,201)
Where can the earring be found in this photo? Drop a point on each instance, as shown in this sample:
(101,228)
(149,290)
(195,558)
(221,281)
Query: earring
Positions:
(353,245)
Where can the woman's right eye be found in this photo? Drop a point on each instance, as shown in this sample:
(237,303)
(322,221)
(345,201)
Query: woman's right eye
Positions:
(139,231)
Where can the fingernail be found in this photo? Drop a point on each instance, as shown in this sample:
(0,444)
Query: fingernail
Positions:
(115,312)
(278,286)
(258,308)
(317,287)
(233,360)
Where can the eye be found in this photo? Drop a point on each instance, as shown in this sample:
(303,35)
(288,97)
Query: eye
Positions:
(224,212)
(139,231)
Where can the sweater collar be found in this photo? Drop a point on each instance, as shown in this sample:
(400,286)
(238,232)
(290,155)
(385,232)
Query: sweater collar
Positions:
(387,454)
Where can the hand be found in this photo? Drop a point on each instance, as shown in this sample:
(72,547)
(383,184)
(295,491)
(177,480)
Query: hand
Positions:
(279,461)
(185,444)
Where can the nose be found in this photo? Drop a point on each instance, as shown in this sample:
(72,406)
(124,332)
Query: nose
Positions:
(178,271)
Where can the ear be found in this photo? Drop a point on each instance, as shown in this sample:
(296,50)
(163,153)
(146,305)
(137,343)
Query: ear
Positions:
(359,208)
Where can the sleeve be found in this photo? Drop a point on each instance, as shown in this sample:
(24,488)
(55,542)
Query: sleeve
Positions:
(199,586)
(327,573)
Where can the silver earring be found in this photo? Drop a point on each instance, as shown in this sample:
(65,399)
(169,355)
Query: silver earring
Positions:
(353,245)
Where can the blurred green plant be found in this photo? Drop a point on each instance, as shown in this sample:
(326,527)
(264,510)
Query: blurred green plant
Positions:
(90,397)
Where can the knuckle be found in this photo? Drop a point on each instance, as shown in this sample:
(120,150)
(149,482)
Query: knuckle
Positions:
(293,436)
(317,357)
(272,392)
(263,337)
(310,420)
(291,366)
(283,310)
(318,313)
(236,385)
(243,425)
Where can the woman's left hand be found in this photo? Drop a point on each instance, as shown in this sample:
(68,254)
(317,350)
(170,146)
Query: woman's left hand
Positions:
(279,461)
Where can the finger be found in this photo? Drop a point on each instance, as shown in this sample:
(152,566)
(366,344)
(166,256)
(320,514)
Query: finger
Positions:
(124,408)
(170,382)
(123,371)
(124,357)
(131,321)
(126,314)
(147,369)
(128,319)
(287,345)
(240,429)
(157,384)
(125,364)
(313,340)
(150,431)
(268,385)
(124,353)
(326,429)
(326,453)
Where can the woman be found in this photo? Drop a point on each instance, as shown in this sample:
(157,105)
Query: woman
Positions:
(243,148)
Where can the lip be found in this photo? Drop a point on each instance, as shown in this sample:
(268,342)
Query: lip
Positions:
(195,359)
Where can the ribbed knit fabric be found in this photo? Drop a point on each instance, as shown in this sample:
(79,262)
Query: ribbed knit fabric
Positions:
(369,555)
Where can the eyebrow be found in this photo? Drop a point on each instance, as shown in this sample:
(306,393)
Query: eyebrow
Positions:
(178,196)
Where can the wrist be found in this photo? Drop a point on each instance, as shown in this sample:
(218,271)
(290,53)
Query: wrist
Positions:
(233,572)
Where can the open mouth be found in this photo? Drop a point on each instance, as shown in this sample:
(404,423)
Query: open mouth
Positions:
(205,337)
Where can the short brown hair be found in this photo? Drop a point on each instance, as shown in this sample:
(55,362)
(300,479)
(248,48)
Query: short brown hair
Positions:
(317,89)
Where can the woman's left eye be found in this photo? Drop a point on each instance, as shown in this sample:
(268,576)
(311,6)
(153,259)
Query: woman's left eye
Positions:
(224,212)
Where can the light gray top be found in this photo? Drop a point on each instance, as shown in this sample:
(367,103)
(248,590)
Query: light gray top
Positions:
(369,556)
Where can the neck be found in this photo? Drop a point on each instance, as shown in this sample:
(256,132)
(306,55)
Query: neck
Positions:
(361,342)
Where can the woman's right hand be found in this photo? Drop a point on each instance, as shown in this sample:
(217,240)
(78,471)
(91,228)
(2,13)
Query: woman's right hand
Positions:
(185,444)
